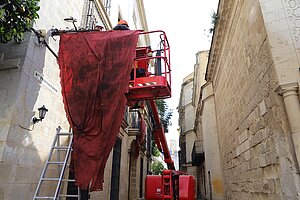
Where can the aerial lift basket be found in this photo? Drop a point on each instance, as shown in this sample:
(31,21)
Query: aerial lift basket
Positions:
(151,73)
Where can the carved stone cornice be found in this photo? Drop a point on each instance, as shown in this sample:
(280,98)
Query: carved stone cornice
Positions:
(224,13)
(287,89)
(199,108)
(291,8)
(133,131)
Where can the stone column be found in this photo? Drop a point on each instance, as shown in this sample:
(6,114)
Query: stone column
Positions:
(290,96)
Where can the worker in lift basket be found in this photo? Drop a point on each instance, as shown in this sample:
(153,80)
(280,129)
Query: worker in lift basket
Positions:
(122,25)
(99,26)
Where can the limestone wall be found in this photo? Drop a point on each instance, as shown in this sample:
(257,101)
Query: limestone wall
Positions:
(253,131)
(282,25)
(199,74)
(32,83)
(190,138)
(29,78)
(10,72)
(211,145)
(187,117)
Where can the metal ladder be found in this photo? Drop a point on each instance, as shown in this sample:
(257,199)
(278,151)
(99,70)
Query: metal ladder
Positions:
(50,187)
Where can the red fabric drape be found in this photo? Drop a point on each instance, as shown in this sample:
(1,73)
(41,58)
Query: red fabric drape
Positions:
(95,70)
(142,134)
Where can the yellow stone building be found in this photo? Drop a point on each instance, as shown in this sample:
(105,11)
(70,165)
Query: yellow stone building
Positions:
(248,113)
(29,79)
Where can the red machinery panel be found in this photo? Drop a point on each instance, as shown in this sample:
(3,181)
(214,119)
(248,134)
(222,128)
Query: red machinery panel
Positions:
(146,88)
(153,186)
(187,187)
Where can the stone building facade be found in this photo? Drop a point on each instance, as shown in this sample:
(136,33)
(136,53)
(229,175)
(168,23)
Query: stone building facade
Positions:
(247,110)
(199,143)
(206,148)
(186,119)
(29,78)
(253,81)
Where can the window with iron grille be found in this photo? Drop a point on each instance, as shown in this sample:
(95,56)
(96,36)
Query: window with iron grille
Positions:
(134,116)
(126,113)
(115,175)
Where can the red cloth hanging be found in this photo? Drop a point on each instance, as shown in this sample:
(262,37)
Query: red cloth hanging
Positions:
(95,71)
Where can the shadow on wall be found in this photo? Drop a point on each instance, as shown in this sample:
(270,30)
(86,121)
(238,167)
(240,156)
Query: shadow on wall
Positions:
(21,93)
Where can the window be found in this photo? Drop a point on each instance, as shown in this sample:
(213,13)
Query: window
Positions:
(115,175)
(134,120)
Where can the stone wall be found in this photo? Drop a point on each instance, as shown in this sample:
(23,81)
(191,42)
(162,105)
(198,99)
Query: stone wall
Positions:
(214,183)
(281,20)
(253,130)
(199,74)
(190,138)
(33,82)
(186,108)
(10,72)
(29,78)
(187,117)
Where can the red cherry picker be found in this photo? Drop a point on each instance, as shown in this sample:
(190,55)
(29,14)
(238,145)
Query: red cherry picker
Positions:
(150,80)
(147,85)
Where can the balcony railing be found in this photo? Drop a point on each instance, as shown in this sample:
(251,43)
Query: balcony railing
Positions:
(134,120)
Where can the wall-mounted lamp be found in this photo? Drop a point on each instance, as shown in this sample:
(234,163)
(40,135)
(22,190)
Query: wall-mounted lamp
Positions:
(42,112)
(73,20)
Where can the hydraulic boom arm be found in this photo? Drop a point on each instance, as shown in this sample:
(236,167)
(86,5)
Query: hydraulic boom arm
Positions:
(160,138)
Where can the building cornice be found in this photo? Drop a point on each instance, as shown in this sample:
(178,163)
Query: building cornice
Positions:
(204,96)
(283,88)
(225,9)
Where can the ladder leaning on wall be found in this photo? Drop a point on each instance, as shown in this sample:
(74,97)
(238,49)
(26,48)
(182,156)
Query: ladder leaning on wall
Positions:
(54,181)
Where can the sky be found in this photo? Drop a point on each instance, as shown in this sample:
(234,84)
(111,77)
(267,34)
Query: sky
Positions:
(186,24)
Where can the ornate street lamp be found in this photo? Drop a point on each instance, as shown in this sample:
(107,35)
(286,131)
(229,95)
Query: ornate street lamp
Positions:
(42,112)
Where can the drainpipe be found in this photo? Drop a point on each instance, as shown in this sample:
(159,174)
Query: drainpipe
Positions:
(290,96)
